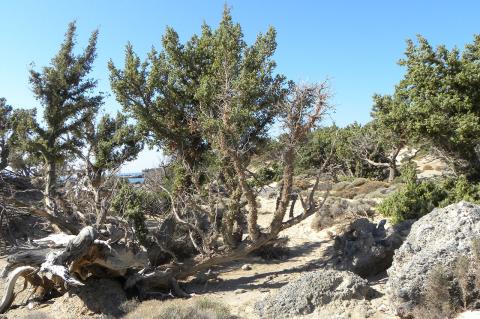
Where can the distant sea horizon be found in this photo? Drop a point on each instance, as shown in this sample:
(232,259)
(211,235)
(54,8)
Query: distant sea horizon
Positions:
(134,177)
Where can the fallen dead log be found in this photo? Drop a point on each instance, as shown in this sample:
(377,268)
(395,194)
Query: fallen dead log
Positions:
(69,263)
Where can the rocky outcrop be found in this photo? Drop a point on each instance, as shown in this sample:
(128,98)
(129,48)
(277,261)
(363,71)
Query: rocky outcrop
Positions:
(366,248)
(312,290)
(435,241)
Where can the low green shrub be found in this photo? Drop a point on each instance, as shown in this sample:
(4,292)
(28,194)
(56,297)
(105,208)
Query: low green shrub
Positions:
(417,198)
(413,200)
(460,189)
(134,204)
(268,174)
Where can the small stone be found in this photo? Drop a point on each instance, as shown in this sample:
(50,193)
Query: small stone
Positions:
(32,305)
(247,267)
(240,291)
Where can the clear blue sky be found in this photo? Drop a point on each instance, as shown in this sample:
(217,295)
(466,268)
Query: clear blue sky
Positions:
(354,43)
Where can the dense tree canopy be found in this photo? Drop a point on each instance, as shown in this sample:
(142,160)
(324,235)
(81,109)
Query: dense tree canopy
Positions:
(179,94)
(389,132)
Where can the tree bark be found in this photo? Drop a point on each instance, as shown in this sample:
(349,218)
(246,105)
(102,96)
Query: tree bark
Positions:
(392,172)
(252,226)
(50,188)
(100,210)
(279,214)
(4,152)
(393,165)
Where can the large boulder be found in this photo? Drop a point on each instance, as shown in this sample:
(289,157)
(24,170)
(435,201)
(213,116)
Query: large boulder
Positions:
(310,291)
(436,241)
(367,248)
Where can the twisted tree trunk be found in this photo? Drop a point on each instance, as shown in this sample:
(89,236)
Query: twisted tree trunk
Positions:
(50,188)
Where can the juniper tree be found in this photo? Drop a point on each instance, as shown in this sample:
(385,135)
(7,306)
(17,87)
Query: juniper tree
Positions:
(390,132)
(179,95)
(441,89)
(211,100)
(69,101)
(110,144)
(238,97)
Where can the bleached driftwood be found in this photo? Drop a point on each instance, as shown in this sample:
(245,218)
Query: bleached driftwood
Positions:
(54,240)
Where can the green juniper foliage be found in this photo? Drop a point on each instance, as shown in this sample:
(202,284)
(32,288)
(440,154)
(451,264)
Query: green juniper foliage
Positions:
(134,204)
(110,144)
(113,142)
(390,124)
(417,198)
(413,200)
(345,149)
(14,127)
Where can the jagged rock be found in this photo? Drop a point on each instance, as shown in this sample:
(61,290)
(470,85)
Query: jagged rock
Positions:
(435,240)
(312,290)
(366,248)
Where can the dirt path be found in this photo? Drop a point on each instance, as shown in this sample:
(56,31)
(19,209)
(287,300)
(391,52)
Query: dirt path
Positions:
(240,289)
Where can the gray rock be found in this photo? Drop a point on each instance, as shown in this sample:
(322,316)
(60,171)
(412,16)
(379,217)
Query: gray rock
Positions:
(435,240)
(312,290)
(366,248)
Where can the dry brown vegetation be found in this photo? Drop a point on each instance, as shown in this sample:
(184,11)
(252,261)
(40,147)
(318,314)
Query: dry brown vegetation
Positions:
(359,187)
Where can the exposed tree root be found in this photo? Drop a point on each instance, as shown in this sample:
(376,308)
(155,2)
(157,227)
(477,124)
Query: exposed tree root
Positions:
(8,295)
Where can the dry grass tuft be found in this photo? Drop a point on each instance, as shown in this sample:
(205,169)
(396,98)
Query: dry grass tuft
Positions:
(449,292)
(196,308)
